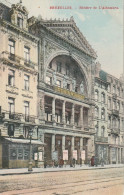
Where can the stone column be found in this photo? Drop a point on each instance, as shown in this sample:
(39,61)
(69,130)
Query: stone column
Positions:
(72,143)
(63,112)
(53,143)
(63,142)
(53,110)
(81,116)
(41,108)
(81,143)
(72,115)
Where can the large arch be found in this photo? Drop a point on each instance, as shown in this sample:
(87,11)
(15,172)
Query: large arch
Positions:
(75,58)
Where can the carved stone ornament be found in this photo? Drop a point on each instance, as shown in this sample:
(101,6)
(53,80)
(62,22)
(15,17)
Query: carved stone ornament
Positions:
(49,49)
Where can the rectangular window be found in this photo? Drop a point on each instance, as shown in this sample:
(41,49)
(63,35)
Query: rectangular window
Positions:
(26,111)
(11,77)
(59,66)
(68,86)
(11,46)
(20,21)
(58,83)
(11,105)
(26,132)
(27,53)
(26,82)
(11,129)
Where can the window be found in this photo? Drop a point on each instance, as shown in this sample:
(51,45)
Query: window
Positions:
(48,116)
(26,82)
(11,77)
(26,110)
(11,46)
(58,118)
(96,95)
(11,129)
(49,80)
(27,53)
(103,113)
(67,70)
(67,118)
(96,129)
(68,86)
(20,20)
(109,121)
(114,89)
(59,64)
(114,105)
(103,97)
(103,132)
(58,83)
(96,112)
(11,105)
(109,103)
(109,89)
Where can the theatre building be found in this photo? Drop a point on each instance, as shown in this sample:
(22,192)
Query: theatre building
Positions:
(65,89)
(18,87)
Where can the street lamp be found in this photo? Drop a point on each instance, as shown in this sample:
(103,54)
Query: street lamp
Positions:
(30,151)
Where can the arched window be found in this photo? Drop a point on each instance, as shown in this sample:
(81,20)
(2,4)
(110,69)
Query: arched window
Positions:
(103,113)
(96,112)
(109,121)
(96,95)
(103,97)
(109,103)
(20,20)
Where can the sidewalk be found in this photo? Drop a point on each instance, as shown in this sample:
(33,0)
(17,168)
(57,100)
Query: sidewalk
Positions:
(54,169)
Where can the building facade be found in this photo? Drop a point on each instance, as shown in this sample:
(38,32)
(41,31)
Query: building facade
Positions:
(65,89)
(51,84)
(18,90)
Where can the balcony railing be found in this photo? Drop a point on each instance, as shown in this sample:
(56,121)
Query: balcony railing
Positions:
(101,139)
(17,59)
(115,112)
(30,119)
(15,116)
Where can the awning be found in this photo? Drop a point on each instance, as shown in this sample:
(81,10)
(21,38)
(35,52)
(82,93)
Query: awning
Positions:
(24,141)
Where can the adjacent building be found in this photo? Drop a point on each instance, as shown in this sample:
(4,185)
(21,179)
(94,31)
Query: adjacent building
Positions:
(18,86)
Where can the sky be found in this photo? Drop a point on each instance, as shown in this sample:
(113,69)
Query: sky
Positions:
(103,28)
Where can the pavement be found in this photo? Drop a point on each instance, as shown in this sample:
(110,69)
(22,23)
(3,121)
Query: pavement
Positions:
(19,171)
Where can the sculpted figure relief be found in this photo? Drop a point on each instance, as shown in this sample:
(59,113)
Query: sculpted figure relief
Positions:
(82,87)
(73,85)
(54,78)
(64,82)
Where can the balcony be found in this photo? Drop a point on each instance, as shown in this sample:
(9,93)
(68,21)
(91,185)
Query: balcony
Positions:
(17,60)
(30,119)
(115,112)
(15,116)
(101,139)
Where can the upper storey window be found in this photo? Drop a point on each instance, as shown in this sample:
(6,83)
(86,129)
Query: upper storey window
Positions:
(96,95)
(11,46)
(20,21)
(114,89)
(27,53)
(59,66)
(67,70)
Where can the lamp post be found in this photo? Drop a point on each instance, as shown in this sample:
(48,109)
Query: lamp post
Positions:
(30,152)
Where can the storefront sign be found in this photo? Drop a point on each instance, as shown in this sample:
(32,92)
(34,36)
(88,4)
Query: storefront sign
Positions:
(75,154)
(70,93)
(40,156)
(55,155)
(83,154)
(65,154)
(35,156)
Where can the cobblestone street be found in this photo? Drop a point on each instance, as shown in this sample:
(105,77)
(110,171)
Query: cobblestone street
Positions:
(89,182)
